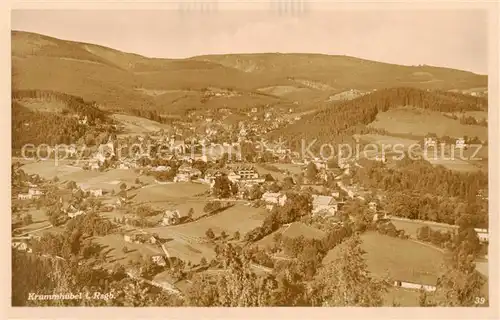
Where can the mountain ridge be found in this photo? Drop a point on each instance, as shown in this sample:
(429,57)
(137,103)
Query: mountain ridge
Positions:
(119,80)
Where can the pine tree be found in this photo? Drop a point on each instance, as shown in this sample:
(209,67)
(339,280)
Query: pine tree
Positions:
(346,281)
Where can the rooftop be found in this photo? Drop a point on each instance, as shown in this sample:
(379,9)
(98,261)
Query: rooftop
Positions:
(323,200)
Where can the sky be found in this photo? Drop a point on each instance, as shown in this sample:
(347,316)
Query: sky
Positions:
(447,38)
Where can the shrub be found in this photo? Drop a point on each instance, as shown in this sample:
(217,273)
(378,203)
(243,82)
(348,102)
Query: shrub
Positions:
(210,234)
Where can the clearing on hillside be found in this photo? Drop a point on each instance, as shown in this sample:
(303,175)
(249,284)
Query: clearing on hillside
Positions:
(138,125)
(167,192)
(421,122)
(410,227)
(397,259)
(237,218)
(48,169)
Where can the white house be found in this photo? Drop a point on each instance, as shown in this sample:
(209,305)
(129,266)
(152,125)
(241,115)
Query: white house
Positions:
(159,260)
(96,192)
(186,172)
(482,234)
(460,143)
(274,198)
(35,192)
(429,142)
(161,168)
(211,174)
(123,166)
(75,214)
(372,205)
(243,174)
(324,205)
(83,121)
(415,286)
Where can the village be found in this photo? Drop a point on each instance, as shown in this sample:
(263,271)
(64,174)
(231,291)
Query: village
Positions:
(173,204)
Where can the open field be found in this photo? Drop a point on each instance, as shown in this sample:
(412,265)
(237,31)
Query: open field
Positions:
(293,168)
(283,90)
(38,105)
(137,125)
(237,218)
(478,115)
(456,164)
(188,241)
(48,169)
(263,171)
(398,259)
(482,267)
(293,230)
(107,180)
(189,251)
(166,192)
(346,95)
(410,227)
(40,220)
(113,245)
(421,122)
(183,205)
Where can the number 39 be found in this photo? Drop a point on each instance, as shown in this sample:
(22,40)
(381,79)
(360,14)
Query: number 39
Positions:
(479,300)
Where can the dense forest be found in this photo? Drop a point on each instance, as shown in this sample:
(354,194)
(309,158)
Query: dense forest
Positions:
(422,177)
(38,128)
(329,124)
(153,115)
(418,190)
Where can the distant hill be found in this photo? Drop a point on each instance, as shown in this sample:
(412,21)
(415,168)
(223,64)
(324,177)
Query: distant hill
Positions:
(122,81)
(337,122)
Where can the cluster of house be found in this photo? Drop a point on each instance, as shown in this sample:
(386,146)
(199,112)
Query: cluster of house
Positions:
(186,172)
(147,238)
(104,152)
(32,194)
(460,143)
(141,237)
(326,206)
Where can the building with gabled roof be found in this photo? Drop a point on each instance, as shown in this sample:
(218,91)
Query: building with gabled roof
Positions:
(325,205)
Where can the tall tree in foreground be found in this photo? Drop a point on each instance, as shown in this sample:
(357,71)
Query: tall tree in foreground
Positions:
(234,285)
(346,281)
(460,284)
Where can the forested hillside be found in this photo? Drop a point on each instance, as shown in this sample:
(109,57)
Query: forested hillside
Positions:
(78,120)
(75,105)
(330,123)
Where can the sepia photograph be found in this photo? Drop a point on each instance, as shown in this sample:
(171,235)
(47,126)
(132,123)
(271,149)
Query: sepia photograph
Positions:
(198,155)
